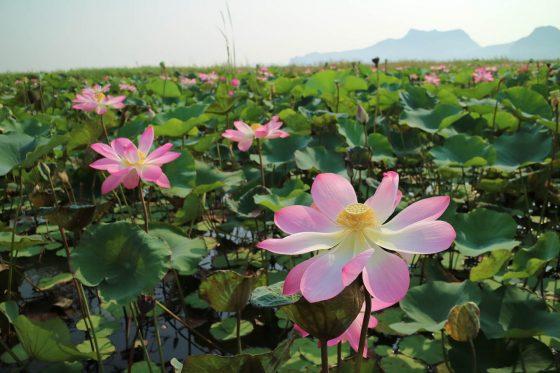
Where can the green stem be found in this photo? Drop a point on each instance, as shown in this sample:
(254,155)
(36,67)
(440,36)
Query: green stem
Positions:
(473,352)
(158,340)
(338,356)
(104,129)
(91,327)
(363,332)
(144,206)
(261,165)
(13,252)
(376,102)
(141,334)
(446,359)
(238,332)
(324,356)
(11,353)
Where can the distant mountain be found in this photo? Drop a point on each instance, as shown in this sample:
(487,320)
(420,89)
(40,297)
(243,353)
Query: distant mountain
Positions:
(542,43)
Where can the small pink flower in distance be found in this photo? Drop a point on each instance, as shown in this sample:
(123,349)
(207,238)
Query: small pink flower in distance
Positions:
(230,93)
(440,67)
(413,76)
(127,164)
(352,334)
(492,68)
(431,79)
(94,99)
(187,82)
(235,83)
(245,134)
(127,87)
(209,79)
(481,74)
(357,239)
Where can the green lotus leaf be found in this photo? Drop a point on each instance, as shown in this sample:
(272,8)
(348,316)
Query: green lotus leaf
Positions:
(182,175)
(525,103)
(432,120)
(320,159)
(420,347)
(209,178)
(122,259)
(501,355)
(464,151)
(352,131)
(18,351)
(401,363)
(10,309)
(46,283)
(296,123)
(416,98)
(106,347)
(186,253)
(271,296)
(490,265)
(428,305)
(164,88)
(102,326)
(20,242)
(280,151)
(527,146)
(48,341)
(226,329)
(227,291)
(482,230)
(530,261)
(510,312)
(504,120)
(13,150)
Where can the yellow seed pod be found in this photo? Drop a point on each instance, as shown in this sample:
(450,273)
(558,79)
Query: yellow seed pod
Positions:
(463,322)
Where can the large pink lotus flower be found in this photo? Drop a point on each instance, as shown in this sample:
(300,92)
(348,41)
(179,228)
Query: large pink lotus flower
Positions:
(432,79)
(352,334)
(355,238)
(127,164)
(482,74)
(94,99)
(245,134)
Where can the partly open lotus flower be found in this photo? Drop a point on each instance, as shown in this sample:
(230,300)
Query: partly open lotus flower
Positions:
(352,334)
(127,164)
(482,74)
(355,238)
(432,79)
(128,87)
(94,99)
(245,134)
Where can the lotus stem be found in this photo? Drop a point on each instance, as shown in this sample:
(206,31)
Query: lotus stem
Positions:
(338,356)
(376,113)
(158,340)
(13,238)
(144,206)
(473,351)
(104,129)
(324,356)
(261,165)
(363,333)
(238,332)
(445,358)
(133,310)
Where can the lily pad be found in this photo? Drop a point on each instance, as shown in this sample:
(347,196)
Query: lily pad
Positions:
(271,296)
(121,259)
(530,261)
(227,329)
(482,230)
(464,151)
(527,146)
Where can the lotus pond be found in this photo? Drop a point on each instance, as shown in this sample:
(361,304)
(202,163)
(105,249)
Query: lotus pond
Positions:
(344,218)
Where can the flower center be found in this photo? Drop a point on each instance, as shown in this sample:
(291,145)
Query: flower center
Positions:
(99,96)
(139,163)
(356,216)
(255,126)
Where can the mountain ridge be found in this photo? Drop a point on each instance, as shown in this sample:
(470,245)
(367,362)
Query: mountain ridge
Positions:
(542,43)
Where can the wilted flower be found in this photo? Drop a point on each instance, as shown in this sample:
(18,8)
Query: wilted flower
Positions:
(127,87)
(355,238)
(432,79)
(245,134)
(94,99)
(481,74)
(127,164)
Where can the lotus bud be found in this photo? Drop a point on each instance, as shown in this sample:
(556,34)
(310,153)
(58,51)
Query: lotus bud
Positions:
(361,115)
(375,61)
(463,322)
(555,97)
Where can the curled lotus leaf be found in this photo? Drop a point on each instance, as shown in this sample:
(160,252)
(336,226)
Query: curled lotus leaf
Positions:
(71,217)
(227,291)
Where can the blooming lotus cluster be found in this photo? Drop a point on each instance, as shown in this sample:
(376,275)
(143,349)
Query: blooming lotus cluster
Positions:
(187,82)
(264,74)
(245,134)
(128,164)
(432,79)
(127,87)
(209,79)
(441,67)
(482,74)
(95,99)
(357,238)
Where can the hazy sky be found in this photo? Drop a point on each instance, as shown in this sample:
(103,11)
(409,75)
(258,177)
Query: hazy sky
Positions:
(61,34)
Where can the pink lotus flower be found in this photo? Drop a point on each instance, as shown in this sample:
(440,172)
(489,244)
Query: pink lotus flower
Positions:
(245,134)
(209,79)
(127,164)
(440,67)
(482,74)
(431,79)
(188,82)
(352,334)
(235,83)
(127,87)
(94,99)
(355,237)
